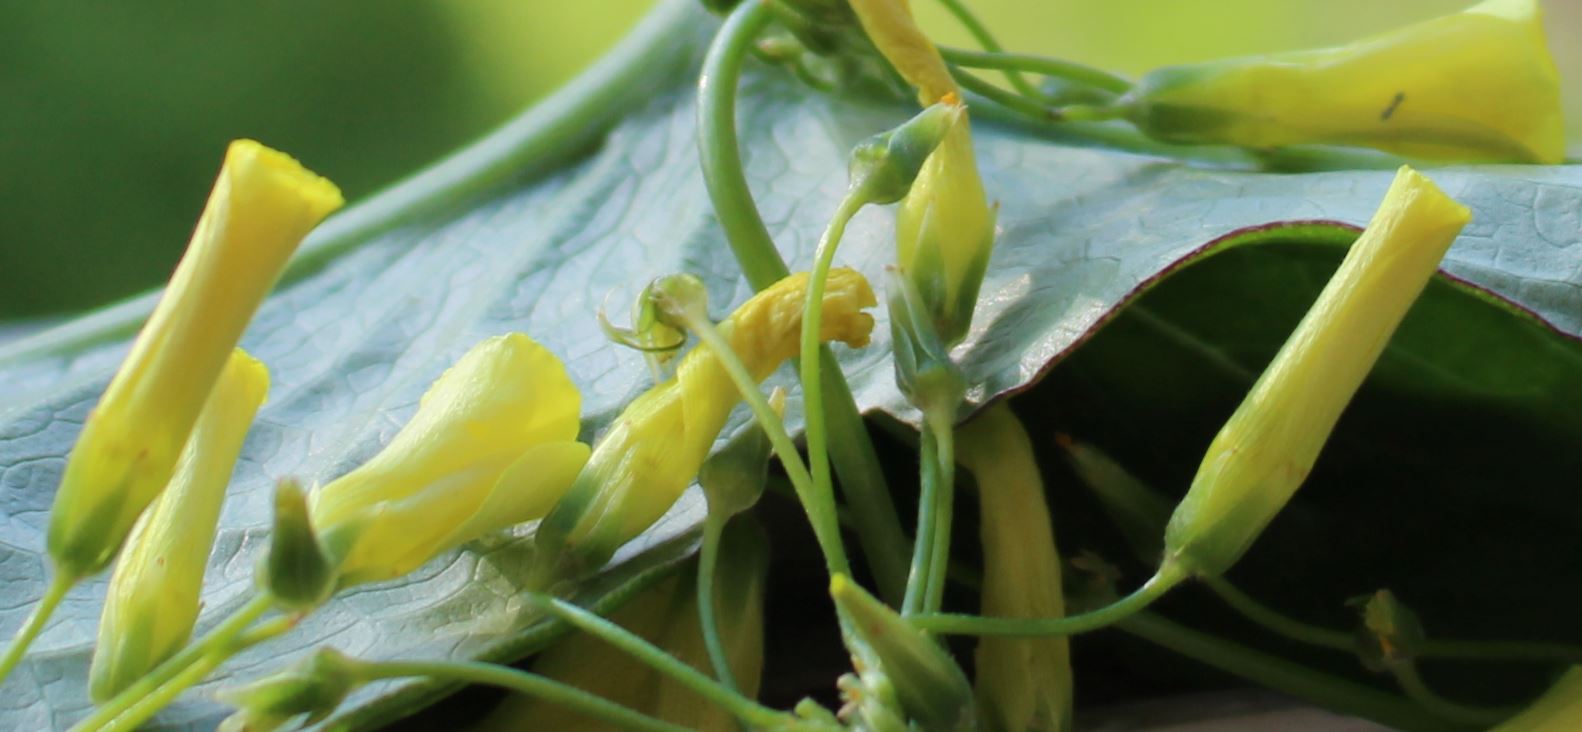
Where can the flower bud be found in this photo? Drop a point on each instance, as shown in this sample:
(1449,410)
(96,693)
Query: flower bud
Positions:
(296,572)
(884,166)
(944,233)
(492,445)
(153,599)
(1388,633)
(1265,450)
(1022,683)
(1478,85)
(929,685)
(313,687)
(262,205)
(1558,710)
(653,450)
(924,371)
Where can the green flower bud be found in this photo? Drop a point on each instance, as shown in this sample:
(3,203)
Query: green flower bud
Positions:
(1265,450)
(734,478)
(929,685)
(311,689)
(153,598)
(924,371)
(296,572)
(1389,633)
(885,165)
(1558,710)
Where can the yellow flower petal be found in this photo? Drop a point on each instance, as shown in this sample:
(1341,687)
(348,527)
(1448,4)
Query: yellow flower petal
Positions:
(262,205)
(153,598)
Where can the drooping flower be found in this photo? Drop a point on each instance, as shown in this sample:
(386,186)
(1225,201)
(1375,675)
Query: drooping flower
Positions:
(1021,683)
(653,451)
(493,444)
(1478,85)
(1265,450)
(153,599)
(262,205)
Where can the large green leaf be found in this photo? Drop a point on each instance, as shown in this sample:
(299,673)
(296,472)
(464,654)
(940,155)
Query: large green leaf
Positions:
(533,228)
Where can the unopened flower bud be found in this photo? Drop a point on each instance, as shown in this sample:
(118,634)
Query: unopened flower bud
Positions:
(1265,450)
(262,205)
(154,594)
(1388,632)
(929,685)
(311,690)
(296,572)
(1478,85)
(924,371)
(884,166)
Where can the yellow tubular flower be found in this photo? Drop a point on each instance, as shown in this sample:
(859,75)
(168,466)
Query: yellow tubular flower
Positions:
(1265,450)
(493,444)
(1479,85)
(652,452)
(153,599)
(889,24)
(1558,710)
(1022,683)
(262,205)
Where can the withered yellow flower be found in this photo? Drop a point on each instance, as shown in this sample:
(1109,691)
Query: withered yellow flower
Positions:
(493,444)
(1265,450)
(1478,85)
(262,205)
(1021,683)
(654,449)
(153,598)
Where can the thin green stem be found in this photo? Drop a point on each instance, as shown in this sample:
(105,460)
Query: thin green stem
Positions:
(1001,61)
(851,449)
(808,358)
(981,34)
(524,682)
(1168,576)
(745,709)
(1282,675)
(59,584)
(1277,621)
(944,456)
(220,637)
(1417,690)
(145,708)
(922,545)
(1022,105)
(708,561)
(826,528)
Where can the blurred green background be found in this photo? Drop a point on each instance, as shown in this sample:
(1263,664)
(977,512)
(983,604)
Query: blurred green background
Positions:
(115,115)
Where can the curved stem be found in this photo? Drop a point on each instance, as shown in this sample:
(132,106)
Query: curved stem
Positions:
(981,34)
(519,681)
(809,360)
(922,544)
(826,528)
(708,560)
(1417,690)
(1280,674)
(1277,621)
(745,709)
(996,59)
(1019,104)
(59,584)
(856,462)
(220,637)
(1166,578)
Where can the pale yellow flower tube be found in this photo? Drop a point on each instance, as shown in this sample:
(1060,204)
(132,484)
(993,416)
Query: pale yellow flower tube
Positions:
(653,451)
(262,205)
(493,444)
(1479,85)
(154,594)
(1265,450)
(1021,683)
(1558,710)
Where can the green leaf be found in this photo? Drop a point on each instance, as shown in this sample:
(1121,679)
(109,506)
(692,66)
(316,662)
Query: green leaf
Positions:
(533,227)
